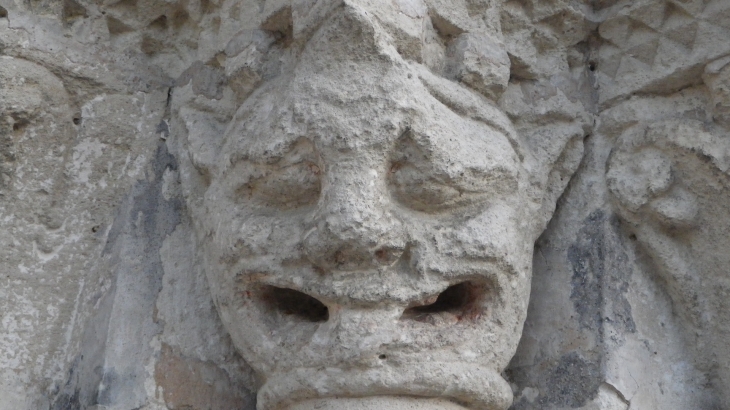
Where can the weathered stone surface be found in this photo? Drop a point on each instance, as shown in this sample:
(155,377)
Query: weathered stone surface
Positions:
(360,204)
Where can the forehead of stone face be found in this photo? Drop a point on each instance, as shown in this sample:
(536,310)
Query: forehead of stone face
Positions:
(370,110)
(351,92)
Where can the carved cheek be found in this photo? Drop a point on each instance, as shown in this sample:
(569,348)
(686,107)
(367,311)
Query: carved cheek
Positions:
(493,233)
(254,236)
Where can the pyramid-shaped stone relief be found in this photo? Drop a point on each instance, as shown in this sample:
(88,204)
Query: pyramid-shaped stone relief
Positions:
(661,38)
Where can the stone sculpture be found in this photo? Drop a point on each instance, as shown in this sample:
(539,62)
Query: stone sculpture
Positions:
(371,223)
(357,204)
(367,226)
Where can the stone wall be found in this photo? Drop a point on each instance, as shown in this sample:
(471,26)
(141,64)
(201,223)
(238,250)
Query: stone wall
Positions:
(115,117)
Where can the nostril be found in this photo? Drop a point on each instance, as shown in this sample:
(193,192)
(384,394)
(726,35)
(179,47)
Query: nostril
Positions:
(387,255)
(381,254)
(345,242)
(293,303)
(458,301)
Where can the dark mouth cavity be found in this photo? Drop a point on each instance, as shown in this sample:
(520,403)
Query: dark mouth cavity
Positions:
(294,303)
(461,300)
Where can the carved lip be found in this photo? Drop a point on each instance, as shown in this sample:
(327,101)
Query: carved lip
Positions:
(473,386)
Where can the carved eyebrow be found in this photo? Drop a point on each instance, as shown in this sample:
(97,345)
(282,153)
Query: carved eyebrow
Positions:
(468,105)
(260,154)
(471,178)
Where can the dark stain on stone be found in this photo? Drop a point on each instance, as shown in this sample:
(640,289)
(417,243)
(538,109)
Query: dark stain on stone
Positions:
(69,398)
(599,280)
(586,257)
(574,379)
(601,274)
(144,217)
(146,199)
(110,384)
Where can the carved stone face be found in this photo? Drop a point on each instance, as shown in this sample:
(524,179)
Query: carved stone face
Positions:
(359,224)
(362,238)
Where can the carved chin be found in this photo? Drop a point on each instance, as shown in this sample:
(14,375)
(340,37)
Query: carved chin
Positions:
(473,386)
(313,352)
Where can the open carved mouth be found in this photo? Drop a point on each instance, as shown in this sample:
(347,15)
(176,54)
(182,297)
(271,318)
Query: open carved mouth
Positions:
(462,301)
(459,301)
(294,303)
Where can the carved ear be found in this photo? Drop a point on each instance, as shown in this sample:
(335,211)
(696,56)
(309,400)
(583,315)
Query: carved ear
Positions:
(569,142)
(198,149)
(547,133)
(552,128)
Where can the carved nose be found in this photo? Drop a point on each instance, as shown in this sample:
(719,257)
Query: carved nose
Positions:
(354,230)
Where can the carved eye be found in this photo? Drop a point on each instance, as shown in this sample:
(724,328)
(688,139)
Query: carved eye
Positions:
(417,183)
(288,187)
(421,191)
(430,179)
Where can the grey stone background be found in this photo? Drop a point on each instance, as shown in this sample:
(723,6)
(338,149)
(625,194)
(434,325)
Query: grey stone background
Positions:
(102,301)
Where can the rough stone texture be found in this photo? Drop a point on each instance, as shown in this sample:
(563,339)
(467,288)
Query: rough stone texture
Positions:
(299,204)
(377,402)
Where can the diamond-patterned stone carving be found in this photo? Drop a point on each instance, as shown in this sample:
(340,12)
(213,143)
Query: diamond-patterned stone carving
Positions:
(664,25)
(659,45)
(717,12)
